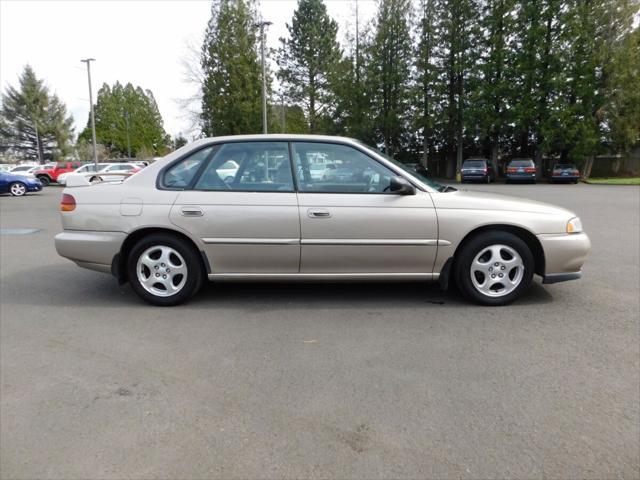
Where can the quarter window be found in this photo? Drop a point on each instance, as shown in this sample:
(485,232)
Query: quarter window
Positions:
(325,167)
(181,174)
(249,167)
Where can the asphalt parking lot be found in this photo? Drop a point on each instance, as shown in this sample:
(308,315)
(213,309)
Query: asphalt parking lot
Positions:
(321,381)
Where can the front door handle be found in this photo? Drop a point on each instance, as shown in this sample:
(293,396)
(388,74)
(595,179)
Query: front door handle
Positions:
(191,211)
(318,213)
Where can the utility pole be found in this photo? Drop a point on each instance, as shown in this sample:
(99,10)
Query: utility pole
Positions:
(126,120)
(264,75)
(93,118)
(35,124)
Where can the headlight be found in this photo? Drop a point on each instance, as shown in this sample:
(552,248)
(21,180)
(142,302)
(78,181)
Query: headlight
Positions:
(574,225)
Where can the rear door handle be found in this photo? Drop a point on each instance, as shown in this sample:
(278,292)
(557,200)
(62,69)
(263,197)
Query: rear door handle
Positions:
(191,212)
(318,213)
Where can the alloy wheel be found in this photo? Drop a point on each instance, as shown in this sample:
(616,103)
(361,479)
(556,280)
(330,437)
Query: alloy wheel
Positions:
(161,271)
(497,270)
(18,189)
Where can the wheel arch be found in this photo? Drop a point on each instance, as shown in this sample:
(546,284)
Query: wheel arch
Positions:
(525,235)
(118,265)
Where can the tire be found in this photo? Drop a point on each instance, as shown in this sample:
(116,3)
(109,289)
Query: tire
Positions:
(46,181)
(155,256)
(476,262)
(17,189)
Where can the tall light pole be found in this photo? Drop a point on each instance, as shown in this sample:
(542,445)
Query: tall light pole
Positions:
(93,118)
(126,120)
(35,124)
(264,75)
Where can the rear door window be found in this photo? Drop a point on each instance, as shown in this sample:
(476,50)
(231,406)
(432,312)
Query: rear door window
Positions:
(249,167)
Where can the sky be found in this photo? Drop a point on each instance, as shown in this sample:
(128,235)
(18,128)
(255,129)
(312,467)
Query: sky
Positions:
(139,41)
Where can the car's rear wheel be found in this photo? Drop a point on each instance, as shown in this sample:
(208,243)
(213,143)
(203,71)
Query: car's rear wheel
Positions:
(44,180)
(164,269)
(18,189)
(494,268)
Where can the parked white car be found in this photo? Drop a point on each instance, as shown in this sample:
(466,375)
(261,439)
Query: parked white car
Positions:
(114,172)
(25,170)
(80,171)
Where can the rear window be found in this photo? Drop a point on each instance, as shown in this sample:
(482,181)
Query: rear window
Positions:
(473,164)
(565,166)
(521,163)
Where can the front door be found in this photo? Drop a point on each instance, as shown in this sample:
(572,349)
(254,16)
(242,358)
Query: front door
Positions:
(351,222)
(244,209)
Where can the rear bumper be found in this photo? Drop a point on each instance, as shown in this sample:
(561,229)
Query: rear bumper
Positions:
(564,178)
(92,250)
(521,177)
(474,176)
(564,255)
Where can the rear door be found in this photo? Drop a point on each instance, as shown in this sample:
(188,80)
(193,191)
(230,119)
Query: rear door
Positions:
(351,223)
(247,219)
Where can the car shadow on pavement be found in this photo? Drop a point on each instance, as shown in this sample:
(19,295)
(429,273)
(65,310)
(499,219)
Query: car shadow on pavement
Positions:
(68,286)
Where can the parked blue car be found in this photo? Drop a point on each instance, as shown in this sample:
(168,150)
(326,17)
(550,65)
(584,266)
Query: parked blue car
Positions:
(18,185)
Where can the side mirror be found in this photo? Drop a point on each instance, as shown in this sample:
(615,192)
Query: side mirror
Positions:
(401,186)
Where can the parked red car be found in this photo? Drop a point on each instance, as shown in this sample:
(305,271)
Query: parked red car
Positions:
(50,174)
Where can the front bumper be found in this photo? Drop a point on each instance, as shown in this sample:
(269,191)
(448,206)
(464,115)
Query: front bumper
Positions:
(564,255)
(34,187)
(90,249)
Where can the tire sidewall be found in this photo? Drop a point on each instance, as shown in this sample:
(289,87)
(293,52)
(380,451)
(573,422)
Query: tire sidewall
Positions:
(195,271)
(17,183)
(46,181)
(469,251)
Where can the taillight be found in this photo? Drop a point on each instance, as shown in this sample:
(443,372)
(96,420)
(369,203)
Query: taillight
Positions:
(575,172)
(511,170)
(530,169)
(68,203)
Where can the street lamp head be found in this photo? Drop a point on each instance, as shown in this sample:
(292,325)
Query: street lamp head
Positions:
(264,23)
(87,60)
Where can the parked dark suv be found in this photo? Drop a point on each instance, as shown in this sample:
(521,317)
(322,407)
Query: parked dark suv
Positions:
(521,170)
(477,169)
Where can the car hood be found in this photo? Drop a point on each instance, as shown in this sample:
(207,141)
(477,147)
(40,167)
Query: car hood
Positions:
(472,200)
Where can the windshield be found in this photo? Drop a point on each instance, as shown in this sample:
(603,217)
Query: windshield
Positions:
(435,185)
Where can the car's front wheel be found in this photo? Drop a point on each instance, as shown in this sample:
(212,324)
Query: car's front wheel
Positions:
(164,269)
(18,189)
(494,268)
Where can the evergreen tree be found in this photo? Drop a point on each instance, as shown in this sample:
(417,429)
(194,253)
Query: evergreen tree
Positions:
(307,60)
(232,88)
(390,75)
(427,75)
(457,57)
(621,113)
(491,98)
(34,123)
(127,121)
